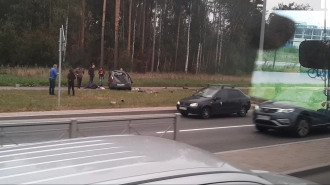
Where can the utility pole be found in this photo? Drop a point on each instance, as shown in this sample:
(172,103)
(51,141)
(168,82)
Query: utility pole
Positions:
(263,25)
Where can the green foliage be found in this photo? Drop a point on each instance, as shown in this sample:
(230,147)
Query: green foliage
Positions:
(29,32)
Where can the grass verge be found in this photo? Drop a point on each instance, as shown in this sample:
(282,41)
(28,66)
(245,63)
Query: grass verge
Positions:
(27,100)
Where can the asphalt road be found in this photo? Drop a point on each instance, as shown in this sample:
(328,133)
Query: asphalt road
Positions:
(217,134)
(321,178)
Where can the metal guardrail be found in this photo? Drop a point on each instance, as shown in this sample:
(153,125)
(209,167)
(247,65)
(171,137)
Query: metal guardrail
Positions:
(74,127)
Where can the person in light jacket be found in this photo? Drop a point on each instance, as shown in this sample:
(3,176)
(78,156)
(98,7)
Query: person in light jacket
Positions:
(52,79)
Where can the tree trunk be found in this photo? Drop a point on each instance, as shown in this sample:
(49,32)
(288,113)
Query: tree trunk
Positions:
(102,36)
(160,36)
(177,42)
(217,48)
(123,22)
(129,28)
(154,40)
(198,55)
(117,13)
(188,46)
(82,38)
(144,25)
(132,61)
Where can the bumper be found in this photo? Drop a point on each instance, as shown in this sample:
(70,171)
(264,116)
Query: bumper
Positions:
(116,86)
(277,121)
(187,109)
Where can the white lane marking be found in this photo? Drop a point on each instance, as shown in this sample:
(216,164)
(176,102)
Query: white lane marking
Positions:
(211,128)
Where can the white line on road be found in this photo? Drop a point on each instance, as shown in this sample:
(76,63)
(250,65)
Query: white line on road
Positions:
(212,128)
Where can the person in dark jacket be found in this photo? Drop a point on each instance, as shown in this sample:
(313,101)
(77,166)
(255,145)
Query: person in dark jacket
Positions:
(80,74)
(71,77)
(91,73)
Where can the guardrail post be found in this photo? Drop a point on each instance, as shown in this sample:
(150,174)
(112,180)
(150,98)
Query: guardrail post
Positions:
(176,126)
(73,128)
(2,135)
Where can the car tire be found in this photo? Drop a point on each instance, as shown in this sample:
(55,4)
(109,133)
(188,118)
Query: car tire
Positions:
(206,112)
(302,128)
(184,114)
(261,129)
(242,112)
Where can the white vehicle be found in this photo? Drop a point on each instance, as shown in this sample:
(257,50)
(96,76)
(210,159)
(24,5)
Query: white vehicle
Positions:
(124,160)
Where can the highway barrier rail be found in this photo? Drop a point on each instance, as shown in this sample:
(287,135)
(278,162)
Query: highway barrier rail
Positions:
(14,132)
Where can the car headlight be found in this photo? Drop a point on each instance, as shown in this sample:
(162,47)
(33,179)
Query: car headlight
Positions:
(194,105)
(285,110)
(256,107)
(178,103)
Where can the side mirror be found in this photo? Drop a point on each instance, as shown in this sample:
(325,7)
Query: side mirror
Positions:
(315,54)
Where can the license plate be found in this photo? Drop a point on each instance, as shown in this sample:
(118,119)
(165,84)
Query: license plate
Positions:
(183,108)
(263,117)
(120,85)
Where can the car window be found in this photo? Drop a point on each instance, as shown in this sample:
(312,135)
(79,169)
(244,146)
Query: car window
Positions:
(223,94)
(241,94)
(207,92)
(233,94)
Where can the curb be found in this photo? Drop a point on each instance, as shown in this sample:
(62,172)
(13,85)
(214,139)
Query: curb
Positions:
(310,170)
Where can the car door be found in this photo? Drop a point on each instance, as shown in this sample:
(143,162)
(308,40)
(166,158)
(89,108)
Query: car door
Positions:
(220,105)
(234,100)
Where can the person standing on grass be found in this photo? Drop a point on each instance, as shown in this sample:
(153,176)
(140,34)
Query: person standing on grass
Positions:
(52,79)
(91,74)
(101,76)
(71,77)
(80,74)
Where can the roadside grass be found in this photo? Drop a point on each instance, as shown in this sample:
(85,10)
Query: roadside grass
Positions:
(39,100)
(33,77)
(292,68)
(285,54)
(20,100)
(305,96)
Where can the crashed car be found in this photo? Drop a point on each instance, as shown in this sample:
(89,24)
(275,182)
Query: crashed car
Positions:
(120,80)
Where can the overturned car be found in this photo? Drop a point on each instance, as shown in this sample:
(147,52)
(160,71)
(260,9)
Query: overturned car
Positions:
(120,80)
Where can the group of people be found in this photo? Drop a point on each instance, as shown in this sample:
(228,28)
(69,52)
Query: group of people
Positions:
(72,76)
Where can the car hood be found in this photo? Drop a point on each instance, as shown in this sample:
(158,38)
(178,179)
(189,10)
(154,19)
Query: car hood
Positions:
(278,104)
(194,99)
(276,178)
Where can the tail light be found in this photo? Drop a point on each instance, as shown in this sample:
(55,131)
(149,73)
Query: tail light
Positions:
(111,79)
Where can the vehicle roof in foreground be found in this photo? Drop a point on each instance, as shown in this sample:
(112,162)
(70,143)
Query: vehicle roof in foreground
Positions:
(104,159)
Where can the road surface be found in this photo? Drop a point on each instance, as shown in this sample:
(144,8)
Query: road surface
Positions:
(217,134)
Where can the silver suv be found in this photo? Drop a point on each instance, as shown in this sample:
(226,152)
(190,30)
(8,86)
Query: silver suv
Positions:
(123,160)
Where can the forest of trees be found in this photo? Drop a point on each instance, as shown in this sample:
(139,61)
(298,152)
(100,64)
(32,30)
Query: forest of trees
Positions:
(195,36)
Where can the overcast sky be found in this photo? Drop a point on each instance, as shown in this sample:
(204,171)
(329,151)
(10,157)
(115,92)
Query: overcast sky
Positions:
(315,4)
(315,17)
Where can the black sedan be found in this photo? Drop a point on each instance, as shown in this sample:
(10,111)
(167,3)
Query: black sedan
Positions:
(120,80)
(215,99)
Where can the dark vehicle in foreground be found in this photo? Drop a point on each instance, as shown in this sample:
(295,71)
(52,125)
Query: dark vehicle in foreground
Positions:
(125,160)
(287,117)
(120,80)
(215,99)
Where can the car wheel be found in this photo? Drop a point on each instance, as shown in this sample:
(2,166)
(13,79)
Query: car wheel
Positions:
(185,114)
(261,129)
(242,112)
(302,127)
(206,112)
